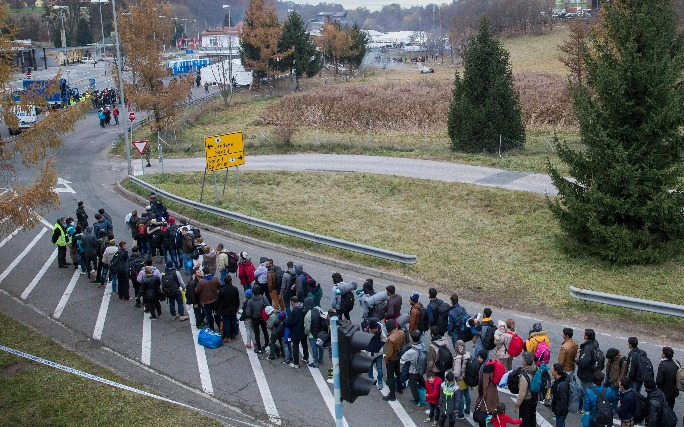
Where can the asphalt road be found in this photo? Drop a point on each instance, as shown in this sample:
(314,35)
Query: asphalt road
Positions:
(162,354)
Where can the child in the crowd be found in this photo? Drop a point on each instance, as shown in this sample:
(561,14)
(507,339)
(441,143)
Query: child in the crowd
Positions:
(249,330)
(432,389)
(449,400)
(500,419)
(287,341)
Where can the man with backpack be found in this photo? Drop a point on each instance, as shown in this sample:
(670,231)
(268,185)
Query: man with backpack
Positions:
(414,314)
(560,394)
(207,292)
(639,366)
(135,265)
(393,304)
(374,349)
(274,279)
(598,403)
(439,357)
(666,380)
(438,311)
(457,323)
(487,329)
(615,368)
(119,266)
(342,295)
(288,288)
(586,361)
(417,357)
(171,285)
(253,311)
(314,323)
(658,412)
(526,400)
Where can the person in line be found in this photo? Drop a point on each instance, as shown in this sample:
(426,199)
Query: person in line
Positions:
(461,360)
(395,341)
(295,322)
(432,393)
(526,401)
(449,400)
(501,419)
(150,290)
(192,300)
(560,394)
(568,352)
(666,380)
(59,238)
(626,402)
(207,291)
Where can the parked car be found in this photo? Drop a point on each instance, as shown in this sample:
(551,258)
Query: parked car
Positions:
(88,61)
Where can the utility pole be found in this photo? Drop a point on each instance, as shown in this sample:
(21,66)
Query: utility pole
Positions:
(101,23)
(63,31)
(119,67)
(230,48)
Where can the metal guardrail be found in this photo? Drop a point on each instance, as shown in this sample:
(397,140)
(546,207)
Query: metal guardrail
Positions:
(282,229)
(628,302)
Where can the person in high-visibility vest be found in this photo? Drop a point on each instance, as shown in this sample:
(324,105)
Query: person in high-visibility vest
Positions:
(59,238)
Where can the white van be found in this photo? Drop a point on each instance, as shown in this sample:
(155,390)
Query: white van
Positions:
(27,116)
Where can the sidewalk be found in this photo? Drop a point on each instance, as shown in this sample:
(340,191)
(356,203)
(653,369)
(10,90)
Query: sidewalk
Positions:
(411,168)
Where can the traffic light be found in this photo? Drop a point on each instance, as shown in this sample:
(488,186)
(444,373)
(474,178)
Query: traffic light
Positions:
(354,365)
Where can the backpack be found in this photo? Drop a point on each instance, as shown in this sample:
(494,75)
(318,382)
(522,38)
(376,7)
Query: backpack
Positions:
(472,372)
(598,360)
(575,397)
(514,380)
(421,362)
(117,265)
(346,301)
(603,413)
(134,267)
(488,337)
(640,408)
(79,245)
(142,229)
(278,278)
(423,320)
(233,263)
(443,317)
(169,283)
(499,370)
(464,332)
(667,417)
(542,354)
(264,316)
(680,376)
(541,381)
(444,360)
(516,346)
(308,281)
(644,368)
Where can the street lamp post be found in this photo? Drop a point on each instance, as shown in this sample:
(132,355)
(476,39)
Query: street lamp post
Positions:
(230,48)
(63,32)
(101,23)
(119,67)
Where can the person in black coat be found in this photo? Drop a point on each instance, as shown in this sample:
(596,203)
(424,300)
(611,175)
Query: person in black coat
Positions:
(228,304)
(655,402)
(666,379)
(191,298)
(585,360)
(295,322)
(150,289)
(560,394)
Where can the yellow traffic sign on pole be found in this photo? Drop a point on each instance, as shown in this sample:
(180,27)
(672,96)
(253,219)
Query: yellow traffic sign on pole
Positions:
(224,151)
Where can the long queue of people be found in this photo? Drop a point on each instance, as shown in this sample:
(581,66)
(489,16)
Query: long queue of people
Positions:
(466,353)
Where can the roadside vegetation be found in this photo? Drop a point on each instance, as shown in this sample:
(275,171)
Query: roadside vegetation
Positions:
(487,244)
(38,395)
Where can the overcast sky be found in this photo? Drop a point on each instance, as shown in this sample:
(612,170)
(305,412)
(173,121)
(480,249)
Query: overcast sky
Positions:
(377,4)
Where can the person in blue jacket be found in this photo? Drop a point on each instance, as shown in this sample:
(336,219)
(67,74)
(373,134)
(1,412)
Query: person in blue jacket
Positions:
(591,397)
(626,402)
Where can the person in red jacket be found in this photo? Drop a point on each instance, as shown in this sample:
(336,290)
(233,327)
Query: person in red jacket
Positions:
(432,387)
(500,419)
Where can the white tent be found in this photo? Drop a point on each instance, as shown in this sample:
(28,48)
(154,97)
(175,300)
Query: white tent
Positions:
(219,73)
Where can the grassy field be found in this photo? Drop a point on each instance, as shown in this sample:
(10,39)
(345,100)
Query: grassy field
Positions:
(33,394)
(491,245)
(528,55)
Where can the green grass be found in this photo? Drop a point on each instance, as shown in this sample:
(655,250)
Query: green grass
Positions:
(538,53)
(490,245)
(33,394)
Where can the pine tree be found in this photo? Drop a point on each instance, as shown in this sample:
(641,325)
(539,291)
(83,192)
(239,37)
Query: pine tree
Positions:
(357,51)
(618,204)
(485,106)
(259,41)
(83,34)
(296,51)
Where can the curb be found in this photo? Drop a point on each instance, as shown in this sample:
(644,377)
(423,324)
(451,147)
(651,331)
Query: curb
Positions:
(368,271)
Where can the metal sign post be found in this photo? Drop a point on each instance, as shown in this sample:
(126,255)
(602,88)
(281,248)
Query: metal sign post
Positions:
(337,392)
(223,152)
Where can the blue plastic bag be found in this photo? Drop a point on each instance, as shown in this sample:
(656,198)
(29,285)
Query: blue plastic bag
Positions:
(209,338)
(421,396)
(188,264)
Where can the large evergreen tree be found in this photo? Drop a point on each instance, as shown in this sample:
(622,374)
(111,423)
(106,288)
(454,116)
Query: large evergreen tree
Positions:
(259,40)
(83,34)
(357,51)
(485,104)
(618,204)
(296,50)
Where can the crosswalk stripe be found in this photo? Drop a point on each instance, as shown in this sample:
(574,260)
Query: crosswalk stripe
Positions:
(398,409)
(147,338)
(40,274)
(325,392)
(102,314)
(21,256)
(66,295)
(205,377)
(266,396)
(9,236)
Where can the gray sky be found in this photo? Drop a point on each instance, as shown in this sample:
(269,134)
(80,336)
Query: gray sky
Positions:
(377,4)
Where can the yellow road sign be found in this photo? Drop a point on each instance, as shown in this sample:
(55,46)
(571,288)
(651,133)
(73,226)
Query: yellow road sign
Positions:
(224,151)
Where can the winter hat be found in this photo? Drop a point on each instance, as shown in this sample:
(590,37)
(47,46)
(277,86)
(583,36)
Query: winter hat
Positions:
(414,297)
(269,310)
(248,293)
(459,347)
(243,255)
(373,325)
(172,220)
(484,354)
(501,323)
(169,264)
(281,315)
(537,327)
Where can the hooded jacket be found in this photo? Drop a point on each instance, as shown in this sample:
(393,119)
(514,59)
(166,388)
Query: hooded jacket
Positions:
(299,286)
(338,290)
(312,319)
(450,399)
(535,339)
(584,362)
(432,354)
(296,322)
(461,360)
(615,369)
(316,293)
(245,271)
(432,390)
(254,306)
(414,316)
(228,300)
(393,307)
(150,288)
(502,340)
(376,343)
(411,356)
(209,261)
(207,289)
(560,395)
(654,407)
(89,242)
(627,398)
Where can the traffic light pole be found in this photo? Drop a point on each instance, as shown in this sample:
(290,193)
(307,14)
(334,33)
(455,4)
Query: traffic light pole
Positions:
(337,393)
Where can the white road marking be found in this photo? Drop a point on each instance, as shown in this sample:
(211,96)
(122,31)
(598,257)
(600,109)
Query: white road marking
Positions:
(102,314)
(202,365)
(398,409)
(266,396)
(147,338)
(67,294)
(40,274)
(46,222)
(9,236)
(541,421)
(66,189)
(21,256)
(325,392)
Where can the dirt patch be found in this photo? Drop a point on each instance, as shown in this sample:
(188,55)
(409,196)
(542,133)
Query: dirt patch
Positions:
(12,369)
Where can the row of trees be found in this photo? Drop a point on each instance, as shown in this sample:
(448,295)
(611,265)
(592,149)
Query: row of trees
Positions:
(270,49)
(622,201)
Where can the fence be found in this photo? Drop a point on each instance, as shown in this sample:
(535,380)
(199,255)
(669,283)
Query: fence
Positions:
(283,229)
(628,302)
